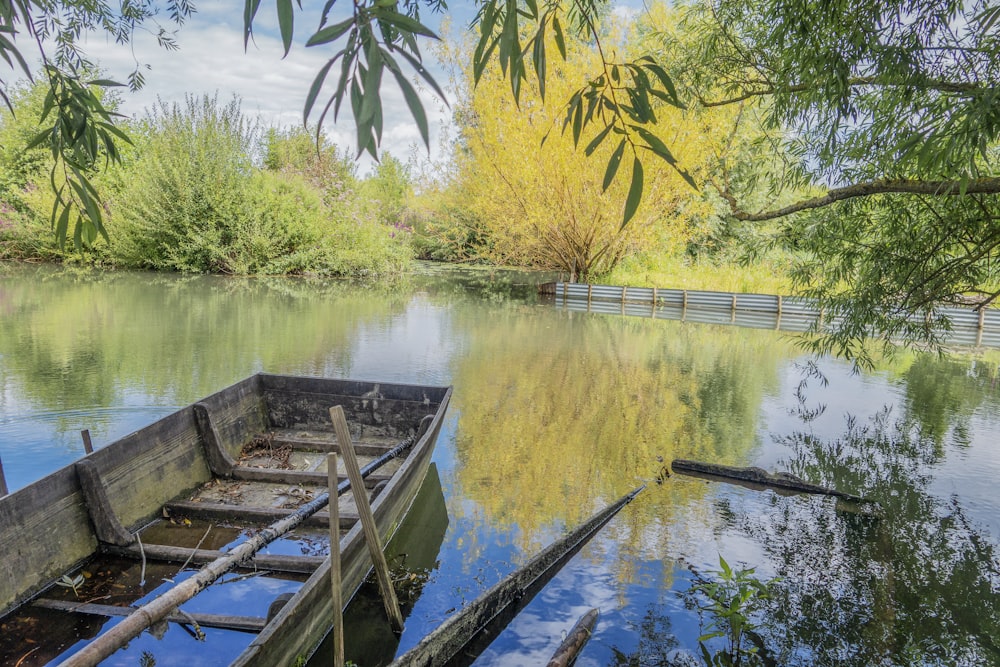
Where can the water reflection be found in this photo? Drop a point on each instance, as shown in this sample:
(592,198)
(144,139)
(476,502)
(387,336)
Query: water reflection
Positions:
(556,413)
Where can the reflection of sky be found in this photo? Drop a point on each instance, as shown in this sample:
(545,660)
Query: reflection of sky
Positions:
(421,343)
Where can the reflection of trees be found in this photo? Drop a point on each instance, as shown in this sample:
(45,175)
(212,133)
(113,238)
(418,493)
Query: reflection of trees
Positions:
(576,409)
(87,338)
(917,586)
(943,393)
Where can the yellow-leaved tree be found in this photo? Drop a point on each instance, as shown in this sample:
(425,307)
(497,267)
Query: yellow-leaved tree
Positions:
(538,200)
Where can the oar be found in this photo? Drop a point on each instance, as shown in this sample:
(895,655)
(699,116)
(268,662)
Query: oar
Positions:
(461,638)
(160,607)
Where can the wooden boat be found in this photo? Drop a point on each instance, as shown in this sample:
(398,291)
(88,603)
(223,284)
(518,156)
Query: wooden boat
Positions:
(82,546)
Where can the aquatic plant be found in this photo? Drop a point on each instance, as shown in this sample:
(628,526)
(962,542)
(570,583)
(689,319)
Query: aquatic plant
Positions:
(732,600)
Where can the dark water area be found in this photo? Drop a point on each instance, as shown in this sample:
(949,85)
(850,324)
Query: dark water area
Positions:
(555,414)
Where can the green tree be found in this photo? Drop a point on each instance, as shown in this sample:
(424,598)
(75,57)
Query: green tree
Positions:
(894,117)
(388,190)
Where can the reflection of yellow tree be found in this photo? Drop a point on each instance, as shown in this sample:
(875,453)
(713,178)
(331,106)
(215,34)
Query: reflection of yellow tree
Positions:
(88,340)
(560,413)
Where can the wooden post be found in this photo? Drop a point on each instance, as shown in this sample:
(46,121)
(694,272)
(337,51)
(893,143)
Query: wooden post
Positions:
(982,323)
(3,481)
(777,325)
(732,316)
(577,638)
(335,577)
(590,294)
(652,311)
(88,445)
(367,520)
(624,296)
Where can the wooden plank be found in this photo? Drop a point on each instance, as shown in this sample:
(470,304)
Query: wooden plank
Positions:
(106,524)
(219,461)
(336,583)
(325,446)
(368,525)
(757,477)
(464,635)
(295,477)
(171,554)
(577,638)
(240,623)
(245,514)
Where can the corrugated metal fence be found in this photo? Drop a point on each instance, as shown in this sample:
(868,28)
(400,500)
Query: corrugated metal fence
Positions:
(760,311)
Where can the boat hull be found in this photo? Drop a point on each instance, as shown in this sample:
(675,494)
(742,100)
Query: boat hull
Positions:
(53,526)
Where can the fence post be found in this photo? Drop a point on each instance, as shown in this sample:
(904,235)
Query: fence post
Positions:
(652,311)
(88,445)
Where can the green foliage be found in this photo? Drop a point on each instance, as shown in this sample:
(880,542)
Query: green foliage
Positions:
(387,191)
(733,601)
(192,201)
(295,151)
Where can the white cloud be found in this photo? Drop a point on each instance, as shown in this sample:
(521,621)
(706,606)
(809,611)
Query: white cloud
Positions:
(212,60)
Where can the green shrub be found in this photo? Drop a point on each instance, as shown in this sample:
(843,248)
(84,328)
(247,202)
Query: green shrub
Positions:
(193,201)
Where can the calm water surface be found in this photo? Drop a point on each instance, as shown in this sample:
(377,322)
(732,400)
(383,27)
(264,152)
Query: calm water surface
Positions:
(554,415)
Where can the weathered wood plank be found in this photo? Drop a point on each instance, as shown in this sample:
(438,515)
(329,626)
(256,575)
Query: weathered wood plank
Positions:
(314,444)
(172,554)
(757,476)
(219,461)
(106,524)
(244,514)
(240,623)
(577,638)
(296,477)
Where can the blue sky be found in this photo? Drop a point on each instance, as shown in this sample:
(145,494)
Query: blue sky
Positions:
(212,59)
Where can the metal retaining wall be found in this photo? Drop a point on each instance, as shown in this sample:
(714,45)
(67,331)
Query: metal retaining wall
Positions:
(970,328)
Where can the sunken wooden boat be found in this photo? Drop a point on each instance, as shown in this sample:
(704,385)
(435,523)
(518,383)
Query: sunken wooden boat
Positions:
(83,547)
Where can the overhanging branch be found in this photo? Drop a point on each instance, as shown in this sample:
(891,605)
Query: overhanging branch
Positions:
(941,86)
(883,186)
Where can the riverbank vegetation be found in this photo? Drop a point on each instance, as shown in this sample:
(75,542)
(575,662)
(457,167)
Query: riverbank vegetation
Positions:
(852,158)
(202,188)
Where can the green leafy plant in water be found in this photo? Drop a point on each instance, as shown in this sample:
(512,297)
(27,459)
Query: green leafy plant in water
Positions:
(734,598)
(71,582)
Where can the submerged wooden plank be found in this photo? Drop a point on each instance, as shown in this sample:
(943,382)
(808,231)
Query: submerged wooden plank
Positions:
(577,638)
(172,554)
(241,623)
(244,514)
(757,476)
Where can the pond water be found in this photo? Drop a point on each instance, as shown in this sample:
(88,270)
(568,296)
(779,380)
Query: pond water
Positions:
(555,414)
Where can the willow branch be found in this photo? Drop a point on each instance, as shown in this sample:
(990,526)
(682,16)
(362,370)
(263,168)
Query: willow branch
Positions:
(989,186)
(928,84)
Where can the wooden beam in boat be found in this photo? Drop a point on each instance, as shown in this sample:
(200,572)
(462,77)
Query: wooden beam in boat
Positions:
(316,444)
(244,514)
(241,623)
(219,461)
(171,554)
(295,477)
(107,527)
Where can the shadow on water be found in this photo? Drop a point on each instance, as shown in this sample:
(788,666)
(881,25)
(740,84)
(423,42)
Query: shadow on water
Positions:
(413,555)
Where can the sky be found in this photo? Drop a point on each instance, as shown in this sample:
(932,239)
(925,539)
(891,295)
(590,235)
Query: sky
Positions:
(212,60)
